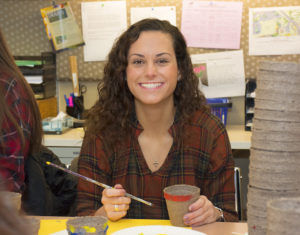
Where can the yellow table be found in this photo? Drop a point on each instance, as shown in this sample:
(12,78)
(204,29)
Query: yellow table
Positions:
(51,225)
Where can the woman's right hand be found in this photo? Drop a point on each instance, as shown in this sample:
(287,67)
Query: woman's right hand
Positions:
(115,203)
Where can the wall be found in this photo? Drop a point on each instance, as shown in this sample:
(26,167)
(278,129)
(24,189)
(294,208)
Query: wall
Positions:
(22,25)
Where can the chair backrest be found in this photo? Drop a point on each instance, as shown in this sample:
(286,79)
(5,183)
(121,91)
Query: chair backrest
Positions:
(237,184)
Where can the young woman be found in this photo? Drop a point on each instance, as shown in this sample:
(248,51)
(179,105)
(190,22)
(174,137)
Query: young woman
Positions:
(150,129)
(20,121)
(45,191)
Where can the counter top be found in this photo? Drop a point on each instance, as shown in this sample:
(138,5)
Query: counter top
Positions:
(239,138)
(71,138)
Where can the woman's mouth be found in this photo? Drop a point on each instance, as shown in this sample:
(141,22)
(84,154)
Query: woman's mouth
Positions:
(151,85)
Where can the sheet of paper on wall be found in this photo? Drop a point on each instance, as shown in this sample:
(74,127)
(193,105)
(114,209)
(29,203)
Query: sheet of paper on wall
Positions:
(61,26)
(221,74)
(274,30)
(209,24)
(34,79)
(102,23)
(163,13)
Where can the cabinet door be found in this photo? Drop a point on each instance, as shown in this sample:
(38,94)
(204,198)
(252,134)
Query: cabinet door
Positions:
(66,154)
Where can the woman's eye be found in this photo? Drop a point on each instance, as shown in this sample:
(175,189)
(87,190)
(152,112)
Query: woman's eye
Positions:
(162,61)
(137,61)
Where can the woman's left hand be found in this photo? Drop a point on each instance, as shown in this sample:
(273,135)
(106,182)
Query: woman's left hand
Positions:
(201,212)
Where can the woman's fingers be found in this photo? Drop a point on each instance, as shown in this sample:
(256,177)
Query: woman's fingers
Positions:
(117,191)
(118,186)
(116,207)
(116,211)
(201,212)
(114,216)
(114,199)
(115,203)
(119,207)
(201,219)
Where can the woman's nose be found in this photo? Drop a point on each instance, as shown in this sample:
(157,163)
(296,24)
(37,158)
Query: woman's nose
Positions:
(151,70)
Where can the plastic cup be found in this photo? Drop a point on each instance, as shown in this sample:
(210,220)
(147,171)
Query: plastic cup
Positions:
(94,225)
(178,198)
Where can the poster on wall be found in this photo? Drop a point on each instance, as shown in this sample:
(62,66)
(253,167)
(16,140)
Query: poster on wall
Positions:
(102,23)
(61,27)
(274,30)
(211,24)
(163,13)
(221,74)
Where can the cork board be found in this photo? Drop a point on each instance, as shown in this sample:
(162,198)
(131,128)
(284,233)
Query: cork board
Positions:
(21,22)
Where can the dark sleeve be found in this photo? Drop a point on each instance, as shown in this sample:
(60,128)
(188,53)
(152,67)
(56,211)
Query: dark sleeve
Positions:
(12,155)
(62,184)
(93,163)
(55,188)
(37,198)
(221,176)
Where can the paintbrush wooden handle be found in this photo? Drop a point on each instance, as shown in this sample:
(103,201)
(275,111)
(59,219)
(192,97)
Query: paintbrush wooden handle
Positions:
(96,182)
(74,73)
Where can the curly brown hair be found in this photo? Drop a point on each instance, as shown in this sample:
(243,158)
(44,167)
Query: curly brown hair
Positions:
(109,117)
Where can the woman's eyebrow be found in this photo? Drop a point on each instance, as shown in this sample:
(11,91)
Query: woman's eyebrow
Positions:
(136,54)
(163,53)
(142,56)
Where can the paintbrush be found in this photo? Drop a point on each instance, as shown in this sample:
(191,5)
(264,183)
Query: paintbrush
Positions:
(97,183)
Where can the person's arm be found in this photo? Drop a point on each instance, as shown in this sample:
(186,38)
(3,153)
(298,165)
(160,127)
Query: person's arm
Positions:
(92,199)
(224,197)
(218,188)
(94,164)
(11,223)
(220,185)
(12,155)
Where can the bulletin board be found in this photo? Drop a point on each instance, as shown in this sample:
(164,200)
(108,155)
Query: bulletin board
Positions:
(22,25)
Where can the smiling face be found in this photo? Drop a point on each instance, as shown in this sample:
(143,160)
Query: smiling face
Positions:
(152,68)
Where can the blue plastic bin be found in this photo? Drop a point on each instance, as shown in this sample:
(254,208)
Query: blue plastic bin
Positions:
(219,107)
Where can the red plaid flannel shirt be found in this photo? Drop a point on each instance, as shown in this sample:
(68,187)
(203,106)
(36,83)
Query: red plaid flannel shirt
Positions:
(12,156)
(205,160)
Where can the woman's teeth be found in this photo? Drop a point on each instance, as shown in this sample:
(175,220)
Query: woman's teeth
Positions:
(151,85)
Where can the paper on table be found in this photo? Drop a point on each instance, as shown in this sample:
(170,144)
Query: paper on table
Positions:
(163,13)
(225,73)
(126,223)
(157,230)
(274,30)
(63,232)
(102,23)
(212,24)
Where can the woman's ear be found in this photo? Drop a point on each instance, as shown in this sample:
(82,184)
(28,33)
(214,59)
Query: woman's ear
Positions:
(178,76)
